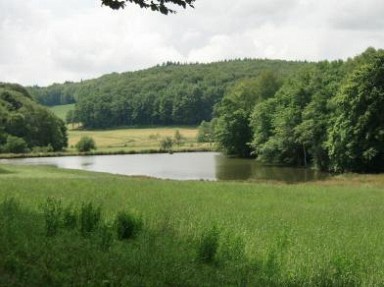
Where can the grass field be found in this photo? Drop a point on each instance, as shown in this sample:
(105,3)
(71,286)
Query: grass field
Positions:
(131,139)
(137,139)
(62,110)
(188,233)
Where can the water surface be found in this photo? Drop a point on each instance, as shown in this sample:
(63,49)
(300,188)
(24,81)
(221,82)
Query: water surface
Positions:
(179,166)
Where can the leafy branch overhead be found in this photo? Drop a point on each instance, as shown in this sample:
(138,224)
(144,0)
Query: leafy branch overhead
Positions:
(162,6)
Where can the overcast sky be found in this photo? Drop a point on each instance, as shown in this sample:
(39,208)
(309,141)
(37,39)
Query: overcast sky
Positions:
(46,41)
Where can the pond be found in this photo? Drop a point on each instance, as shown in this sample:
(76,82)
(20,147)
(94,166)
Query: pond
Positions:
(179,166)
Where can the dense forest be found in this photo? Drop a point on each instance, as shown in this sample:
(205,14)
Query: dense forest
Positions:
(168,94)
(328,115)
(26,125)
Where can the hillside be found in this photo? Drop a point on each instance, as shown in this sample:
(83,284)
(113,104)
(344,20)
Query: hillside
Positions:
(169,94)
(25,124)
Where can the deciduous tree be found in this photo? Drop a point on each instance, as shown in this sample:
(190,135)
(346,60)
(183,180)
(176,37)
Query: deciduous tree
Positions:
(356,130)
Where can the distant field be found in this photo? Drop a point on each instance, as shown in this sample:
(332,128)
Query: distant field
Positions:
(131,139)
(191,233)
(61,111)
(137,139)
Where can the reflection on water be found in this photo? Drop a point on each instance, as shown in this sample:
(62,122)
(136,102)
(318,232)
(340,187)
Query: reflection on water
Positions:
(179,166)
(86,161)
(245,169)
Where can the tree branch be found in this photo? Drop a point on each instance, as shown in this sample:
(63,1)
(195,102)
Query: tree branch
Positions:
(161,6)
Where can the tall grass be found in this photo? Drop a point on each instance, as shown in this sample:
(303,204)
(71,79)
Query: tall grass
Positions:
(190,234)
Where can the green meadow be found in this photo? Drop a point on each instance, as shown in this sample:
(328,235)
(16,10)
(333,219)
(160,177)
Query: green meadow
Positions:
(141,139)
(62,110)
(76,228)
(131,139)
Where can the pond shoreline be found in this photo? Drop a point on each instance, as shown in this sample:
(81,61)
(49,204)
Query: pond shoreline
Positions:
(106,152)
(191,165)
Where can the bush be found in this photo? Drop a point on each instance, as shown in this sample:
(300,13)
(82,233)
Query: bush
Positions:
(42,149)
(90,218)
(127,225)
(15,145)
(166,144)
(179,139)
(86,144)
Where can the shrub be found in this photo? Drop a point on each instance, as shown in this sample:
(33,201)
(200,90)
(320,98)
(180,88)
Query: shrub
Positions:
(127,225)
(166,144)
(42,149)
(208,245)
(15,145)
(179,139)
(90,218)
(85,144)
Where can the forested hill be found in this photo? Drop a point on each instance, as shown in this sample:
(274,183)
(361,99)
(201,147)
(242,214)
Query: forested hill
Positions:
(25,125)
(169,94)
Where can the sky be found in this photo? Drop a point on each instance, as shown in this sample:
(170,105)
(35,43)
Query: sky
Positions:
(48,41)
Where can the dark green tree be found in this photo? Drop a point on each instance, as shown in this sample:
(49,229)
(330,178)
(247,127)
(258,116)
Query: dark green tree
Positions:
(233,131)
(311,133)
(356,129)
(15,145)
(172,94)
(278,142)
(23,118)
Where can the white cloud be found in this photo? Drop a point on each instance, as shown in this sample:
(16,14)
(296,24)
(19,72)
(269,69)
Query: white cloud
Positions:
(45,41)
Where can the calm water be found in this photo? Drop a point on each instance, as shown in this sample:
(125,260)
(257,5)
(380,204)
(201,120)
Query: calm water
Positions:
(180,166)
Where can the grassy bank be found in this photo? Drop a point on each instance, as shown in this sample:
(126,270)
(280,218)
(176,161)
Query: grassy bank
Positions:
(188,233)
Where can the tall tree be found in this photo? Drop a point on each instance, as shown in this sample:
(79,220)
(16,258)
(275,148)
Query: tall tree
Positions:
(275,120)
(233,131)
(356,130)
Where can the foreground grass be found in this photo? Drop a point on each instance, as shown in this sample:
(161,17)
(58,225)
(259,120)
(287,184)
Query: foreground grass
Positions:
(192,233)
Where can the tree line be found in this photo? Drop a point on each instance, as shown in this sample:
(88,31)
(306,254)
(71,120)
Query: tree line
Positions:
(328,115)
(26,125)
(168,94)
